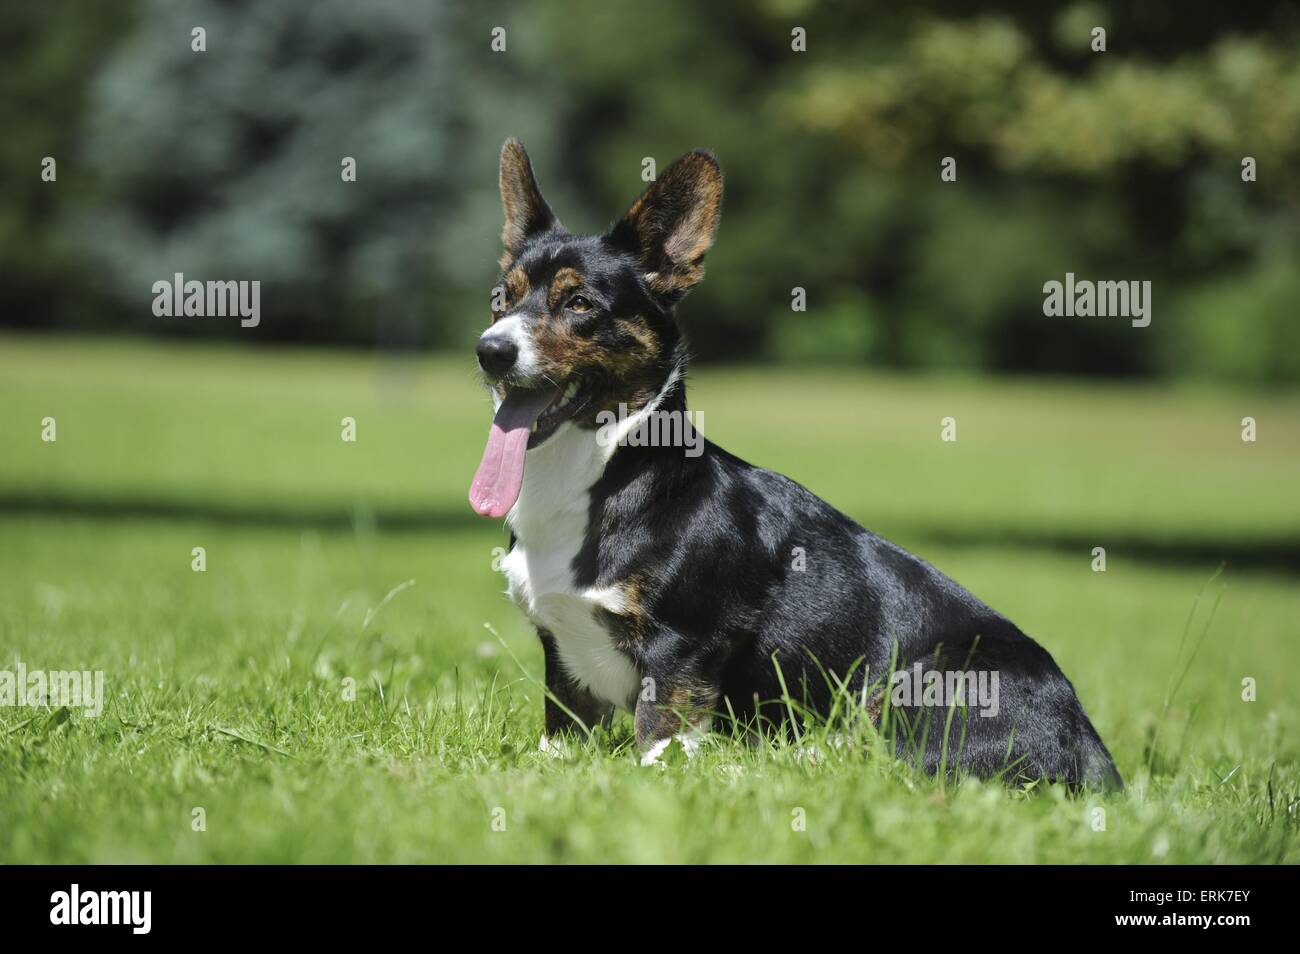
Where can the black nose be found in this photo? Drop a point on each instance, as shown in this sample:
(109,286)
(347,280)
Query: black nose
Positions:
(496,354)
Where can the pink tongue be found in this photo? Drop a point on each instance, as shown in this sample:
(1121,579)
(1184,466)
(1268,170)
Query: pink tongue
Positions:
(501,472)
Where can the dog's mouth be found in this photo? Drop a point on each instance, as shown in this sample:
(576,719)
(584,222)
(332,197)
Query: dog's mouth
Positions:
(525,419)
(566,404)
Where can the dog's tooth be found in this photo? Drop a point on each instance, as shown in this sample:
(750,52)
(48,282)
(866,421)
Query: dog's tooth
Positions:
(570,391)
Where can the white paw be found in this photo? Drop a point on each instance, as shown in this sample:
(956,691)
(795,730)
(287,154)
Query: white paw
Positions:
(690,741)
(651,755)
(555,748)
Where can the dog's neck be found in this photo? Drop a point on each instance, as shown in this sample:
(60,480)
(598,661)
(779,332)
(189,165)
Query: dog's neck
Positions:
(558,476)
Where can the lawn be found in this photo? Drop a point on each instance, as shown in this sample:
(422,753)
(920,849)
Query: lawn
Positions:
(345,681)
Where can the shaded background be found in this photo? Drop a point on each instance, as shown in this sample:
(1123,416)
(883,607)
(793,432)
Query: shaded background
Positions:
(1117,165)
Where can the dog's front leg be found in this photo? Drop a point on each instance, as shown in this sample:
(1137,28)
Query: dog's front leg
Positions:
(677,705)
(564,700)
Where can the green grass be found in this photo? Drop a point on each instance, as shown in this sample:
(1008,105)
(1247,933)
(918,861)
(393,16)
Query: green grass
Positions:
(226,688)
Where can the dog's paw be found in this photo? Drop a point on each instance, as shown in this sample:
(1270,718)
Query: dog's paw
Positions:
(671,751)
(555,748)
(651,756)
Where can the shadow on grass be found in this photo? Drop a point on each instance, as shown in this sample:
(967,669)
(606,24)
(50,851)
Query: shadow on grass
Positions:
(1280,553)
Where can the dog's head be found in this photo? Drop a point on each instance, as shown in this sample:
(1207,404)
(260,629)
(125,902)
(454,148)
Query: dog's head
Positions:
(584,323)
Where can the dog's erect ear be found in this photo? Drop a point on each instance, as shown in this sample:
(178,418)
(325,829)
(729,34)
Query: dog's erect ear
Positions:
(527,213)
(672,225)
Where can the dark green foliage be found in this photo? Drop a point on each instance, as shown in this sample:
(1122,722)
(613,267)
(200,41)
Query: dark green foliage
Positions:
(1123,165)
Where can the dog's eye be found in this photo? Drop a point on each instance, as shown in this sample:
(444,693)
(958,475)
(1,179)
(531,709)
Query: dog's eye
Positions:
(579,304)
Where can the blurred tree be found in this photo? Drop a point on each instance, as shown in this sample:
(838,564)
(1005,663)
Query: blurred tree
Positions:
(48,53)
(1123,164)
(228,163)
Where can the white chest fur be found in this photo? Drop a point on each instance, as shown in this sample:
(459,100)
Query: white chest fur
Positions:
(550,525)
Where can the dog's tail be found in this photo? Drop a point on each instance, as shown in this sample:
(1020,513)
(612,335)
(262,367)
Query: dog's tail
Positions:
(1099,771)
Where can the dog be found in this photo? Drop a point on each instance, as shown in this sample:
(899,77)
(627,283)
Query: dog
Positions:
(662,582)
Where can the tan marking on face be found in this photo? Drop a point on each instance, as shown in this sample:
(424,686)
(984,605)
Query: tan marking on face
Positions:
(566,352)
(516,285)
(563,353)
(564,283)
(634,363)
(638,330)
